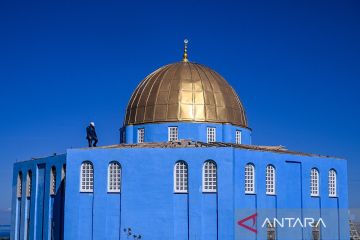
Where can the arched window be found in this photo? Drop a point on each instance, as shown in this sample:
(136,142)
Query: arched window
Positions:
(63,178)
(53,180)
(63,172)
(180,177)
(173,134)
(19,185)
(238,137)
(314,184)
(249,178)
(209,177)
(87,177)
(270,180)
(332,183)
(270,232)
(315,233)
(140,135)
(28,184)
(211,134)
(114,177)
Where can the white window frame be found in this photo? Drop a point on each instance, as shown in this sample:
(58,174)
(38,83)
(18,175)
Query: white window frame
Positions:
(249,178)
(28,183)
(173,134)
(270,180)
(209,177)
(52,181)
(19,185)
(181,177)
(140,135)
(238,137)
(332,183)
(114,177)
(211,134)
(87,181)
(314,183)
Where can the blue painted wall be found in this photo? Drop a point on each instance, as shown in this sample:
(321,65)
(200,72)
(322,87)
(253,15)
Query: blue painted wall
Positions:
(293,194)
(158,132)
(148,205)
(40,215)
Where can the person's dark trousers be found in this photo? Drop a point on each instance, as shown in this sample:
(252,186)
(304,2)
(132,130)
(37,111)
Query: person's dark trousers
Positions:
(91,144)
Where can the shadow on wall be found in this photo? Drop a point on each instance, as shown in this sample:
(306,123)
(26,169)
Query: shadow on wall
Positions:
(57,222)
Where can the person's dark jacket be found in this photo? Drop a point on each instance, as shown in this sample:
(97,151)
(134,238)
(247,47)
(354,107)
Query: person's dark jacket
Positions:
(91,133)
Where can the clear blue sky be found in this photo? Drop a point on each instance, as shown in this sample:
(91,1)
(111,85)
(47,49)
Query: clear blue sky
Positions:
(295,65)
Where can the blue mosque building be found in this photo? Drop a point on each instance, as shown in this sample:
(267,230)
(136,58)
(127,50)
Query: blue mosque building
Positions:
(185,169)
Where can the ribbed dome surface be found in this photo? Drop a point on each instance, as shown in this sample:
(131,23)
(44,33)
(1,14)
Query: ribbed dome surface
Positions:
(185,92)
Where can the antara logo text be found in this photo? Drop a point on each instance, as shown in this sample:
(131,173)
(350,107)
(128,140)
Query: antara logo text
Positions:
(287,222)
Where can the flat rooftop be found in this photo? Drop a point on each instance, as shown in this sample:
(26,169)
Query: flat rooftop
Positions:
(198,144)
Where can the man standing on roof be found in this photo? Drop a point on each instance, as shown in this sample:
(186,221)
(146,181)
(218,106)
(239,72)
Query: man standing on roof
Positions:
(91,135)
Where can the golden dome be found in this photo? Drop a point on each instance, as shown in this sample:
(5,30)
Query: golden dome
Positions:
(185,92)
